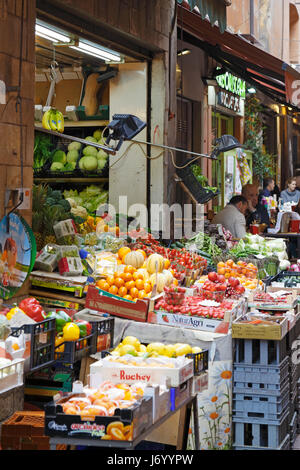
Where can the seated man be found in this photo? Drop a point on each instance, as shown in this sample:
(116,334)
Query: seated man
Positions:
(255,212)
(232,217)
(268,187)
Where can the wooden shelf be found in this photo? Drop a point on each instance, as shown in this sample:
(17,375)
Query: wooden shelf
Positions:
(90,123)
(71,180)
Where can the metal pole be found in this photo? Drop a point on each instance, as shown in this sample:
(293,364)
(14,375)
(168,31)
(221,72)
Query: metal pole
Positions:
(175,149)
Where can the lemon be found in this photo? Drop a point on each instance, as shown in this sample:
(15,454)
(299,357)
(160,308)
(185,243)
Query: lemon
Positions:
(170,350)
(159,348)
(131,340)
(183,350)
(196,350)
(127,349)
(142,348)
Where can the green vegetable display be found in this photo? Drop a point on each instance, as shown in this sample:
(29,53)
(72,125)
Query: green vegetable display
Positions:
(90,198)
(42,150)
(201,178)
(204,245)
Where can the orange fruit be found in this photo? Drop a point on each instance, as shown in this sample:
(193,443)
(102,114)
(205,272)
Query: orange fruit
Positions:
(175,282)
(129,269)
(122,291)
(167,263)
(221,264)
(142,294)
(119,282)
(221,271)
(101,283)
(105,228)
(126,276)
(137,275)
(110,280)
(147,287)
(123,251)
(129,285)
(128,297)
(104,286)
(139,284)
(134,292)
(143,253)
(113,290)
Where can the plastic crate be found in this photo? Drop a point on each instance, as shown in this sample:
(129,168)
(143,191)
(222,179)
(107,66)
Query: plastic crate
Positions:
(24,430)
(281,277)
(11,376)
(74,350)
(293,428)
(200,361)
(251,435)
(272,390)
(201,194)
(103,334)
(259,352)
(259,374)
(257,406)
(41,336)
(285,445)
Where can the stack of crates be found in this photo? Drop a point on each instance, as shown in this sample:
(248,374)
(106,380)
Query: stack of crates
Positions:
(261,395)
(294,378)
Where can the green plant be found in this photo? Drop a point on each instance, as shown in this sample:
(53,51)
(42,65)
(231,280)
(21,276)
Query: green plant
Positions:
(263,162)
(42,150)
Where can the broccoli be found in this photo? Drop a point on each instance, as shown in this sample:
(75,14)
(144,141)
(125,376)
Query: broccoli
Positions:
(65,204)
(50,201)
(57,195)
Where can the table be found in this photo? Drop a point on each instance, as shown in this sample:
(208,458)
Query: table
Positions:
(130,445)
(289,235)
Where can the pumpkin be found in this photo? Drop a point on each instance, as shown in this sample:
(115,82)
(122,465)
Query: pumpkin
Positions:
(134,258)
(144,273)
(168,276)
(151,263)
(159,280)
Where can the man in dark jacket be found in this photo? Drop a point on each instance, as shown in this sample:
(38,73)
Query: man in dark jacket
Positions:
(256,212)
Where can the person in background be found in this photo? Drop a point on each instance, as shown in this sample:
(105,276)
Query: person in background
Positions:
(232,217)
(276,191)
(268,187)
(255,212)
(290,194)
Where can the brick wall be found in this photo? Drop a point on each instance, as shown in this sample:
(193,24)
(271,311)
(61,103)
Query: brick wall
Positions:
(10,124)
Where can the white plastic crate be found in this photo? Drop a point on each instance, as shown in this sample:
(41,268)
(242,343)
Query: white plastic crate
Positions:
(11,375)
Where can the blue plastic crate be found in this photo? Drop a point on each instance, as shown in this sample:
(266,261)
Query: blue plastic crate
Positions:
(285,445)
(293,428)
(257,406)
(249,373)
(254,435)
(268,390)
(259,352)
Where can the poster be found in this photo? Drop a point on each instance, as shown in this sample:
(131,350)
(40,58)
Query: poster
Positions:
(17,254)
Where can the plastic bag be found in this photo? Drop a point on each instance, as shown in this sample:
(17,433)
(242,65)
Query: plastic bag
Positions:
(5,329)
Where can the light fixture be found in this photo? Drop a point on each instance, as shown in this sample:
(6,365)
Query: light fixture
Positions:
(251,90)
(124,127)
(184,52)
(224,144)
(50,34)
(97,51)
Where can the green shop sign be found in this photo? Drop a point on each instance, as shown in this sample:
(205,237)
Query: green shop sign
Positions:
(235,85)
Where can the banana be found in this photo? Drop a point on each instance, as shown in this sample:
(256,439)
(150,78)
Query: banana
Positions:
(52,120)
(60,121)
(46,119)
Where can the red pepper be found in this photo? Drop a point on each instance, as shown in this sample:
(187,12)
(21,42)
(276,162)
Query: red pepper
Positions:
(33,309)
(84,327)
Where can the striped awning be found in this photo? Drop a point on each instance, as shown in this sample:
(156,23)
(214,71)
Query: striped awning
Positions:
(214,10)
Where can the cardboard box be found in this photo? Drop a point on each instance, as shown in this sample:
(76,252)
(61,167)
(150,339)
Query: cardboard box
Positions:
(200,383)
(101,371)
(137,419)
(57,282)
(101,301)
(161,401)
(295,290)
(180,394)
(267,332)
(291,302)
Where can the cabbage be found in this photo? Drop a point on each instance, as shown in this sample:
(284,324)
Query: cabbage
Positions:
(276,245)
(284,264)
(282,255)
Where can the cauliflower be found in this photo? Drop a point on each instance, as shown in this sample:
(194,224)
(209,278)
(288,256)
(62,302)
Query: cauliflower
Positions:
(79,211)
(72,202)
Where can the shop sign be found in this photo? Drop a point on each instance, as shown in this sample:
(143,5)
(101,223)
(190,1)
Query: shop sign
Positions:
(229,101)
(233,84)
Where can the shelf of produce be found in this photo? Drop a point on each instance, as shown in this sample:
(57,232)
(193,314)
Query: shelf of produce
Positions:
(191,402)
(91,123)
(71,180)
